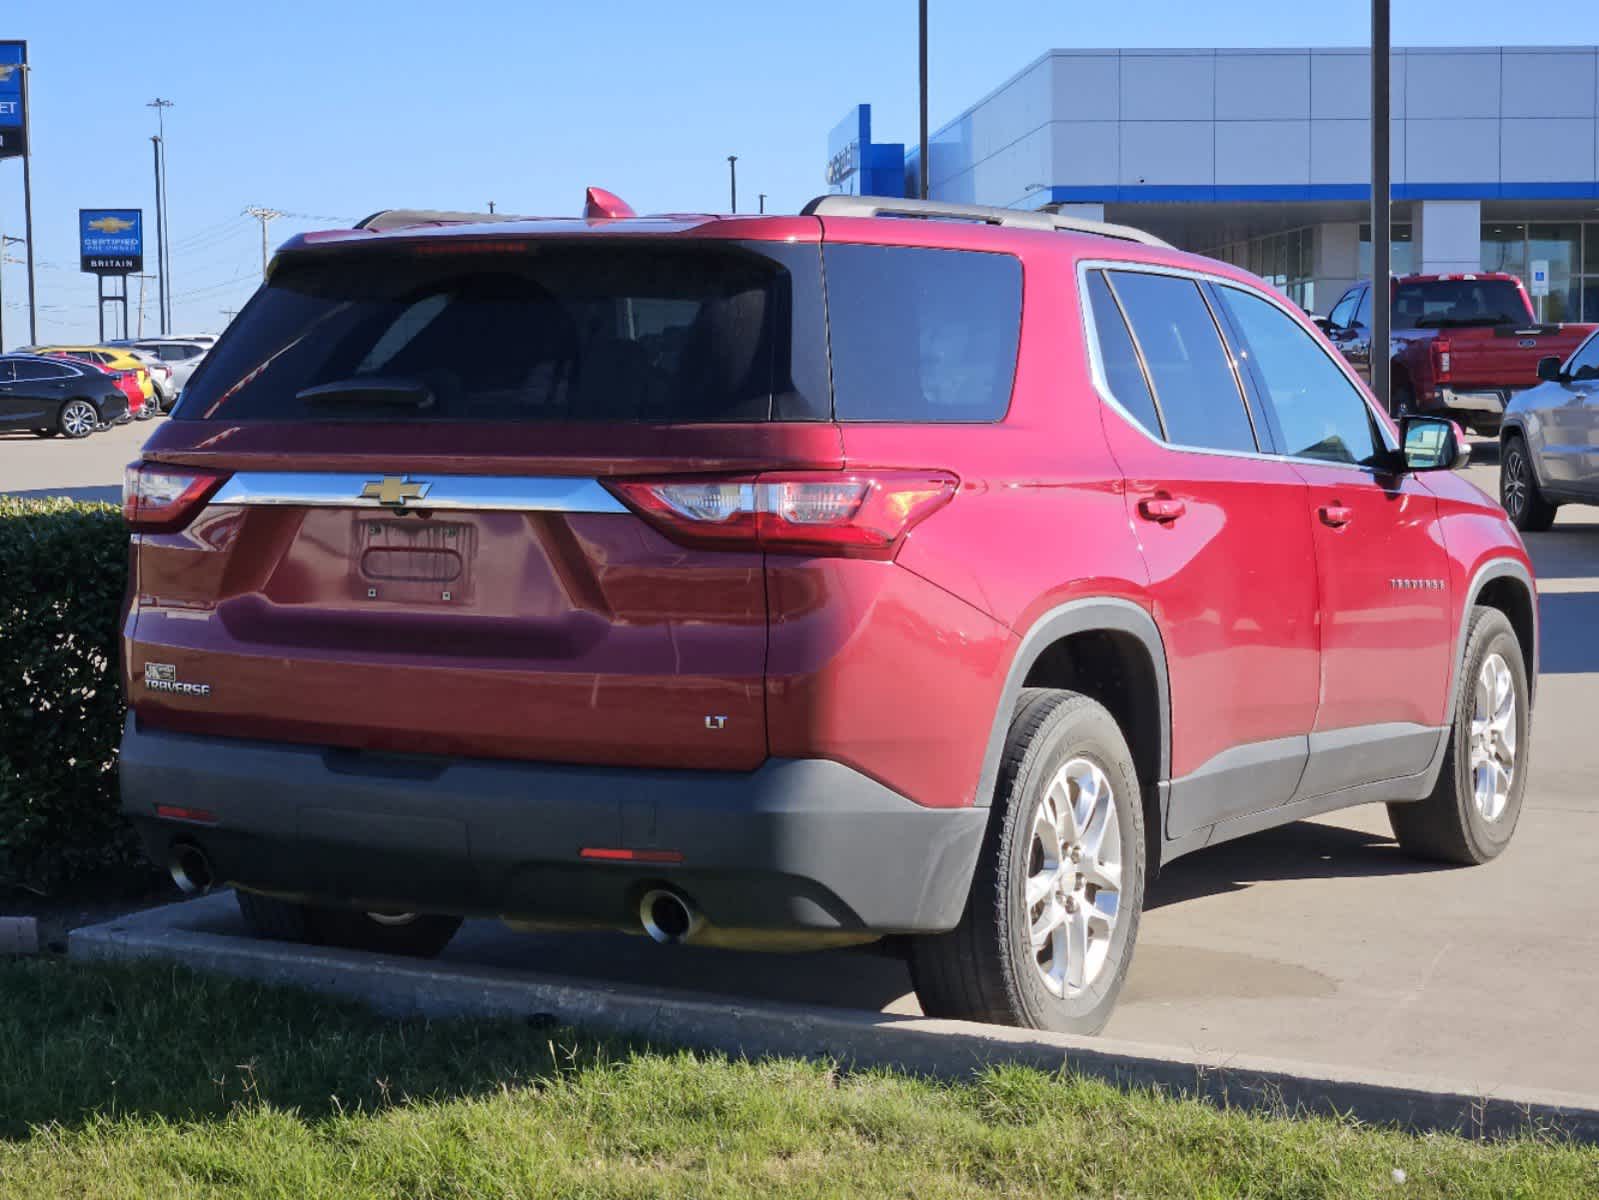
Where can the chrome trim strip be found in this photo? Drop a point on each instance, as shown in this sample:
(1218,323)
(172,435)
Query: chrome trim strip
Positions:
(501,493)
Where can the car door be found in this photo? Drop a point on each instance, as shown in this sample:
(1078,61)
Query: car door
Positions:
(1566,417)
(1232,573)
(1385,612)
(10,407)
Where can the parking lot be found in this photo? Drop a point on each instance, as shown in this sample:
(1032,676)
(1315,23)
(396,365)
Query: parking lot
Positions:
(1318,942)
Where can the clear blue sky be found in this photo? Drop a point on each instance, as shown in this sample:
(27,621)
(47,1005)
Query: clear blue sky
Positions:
(336,109)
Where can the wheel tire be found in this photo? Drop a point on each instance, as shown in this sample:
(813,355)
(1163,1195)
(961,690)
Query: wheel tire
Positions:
(1450,825)
(985,969)
(419,935)
(78,419)
(1519,494)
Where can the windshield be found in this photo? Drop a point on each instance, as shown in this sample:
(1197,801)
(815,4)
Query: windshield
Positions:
(527,331)
(1452,303)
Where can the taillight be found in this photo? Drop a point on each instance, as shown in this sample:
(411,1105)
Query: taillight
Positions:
(157,498)
(1440,359)
(858,514)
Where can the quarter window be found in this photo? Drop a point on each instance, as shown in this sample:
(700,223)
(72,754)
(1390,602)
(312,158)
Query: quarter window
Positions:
(1117,357)
(1318,413)
(1585,363)
(1194,383)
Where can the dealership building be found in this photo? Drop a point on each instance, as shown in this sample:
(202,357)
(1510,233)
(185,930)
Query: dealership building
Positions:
(1262,158)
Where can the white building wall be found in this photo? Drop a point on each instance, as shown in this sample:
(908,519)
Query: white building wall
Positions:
(1097,126)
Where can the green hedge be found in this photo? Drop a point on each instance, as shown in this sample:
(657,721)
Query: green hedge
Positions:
(63,570)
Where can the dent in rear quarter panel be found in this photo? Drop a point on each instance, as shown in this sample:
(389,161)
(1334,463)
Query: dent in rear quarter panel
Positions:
(874,667)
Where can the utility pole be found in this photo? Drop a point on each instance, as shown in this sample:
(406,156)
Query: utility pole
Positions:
(4,242)
(1381,205)
(922,48)
(141,279)
(491,208)
(266,216)
(732,181)
(229,314)
(27,200)
(763,201)
(162,233)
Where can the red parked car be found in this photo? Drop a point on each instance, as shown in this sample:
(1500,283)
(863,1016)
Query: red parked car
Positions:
(1463,344)
(891,570)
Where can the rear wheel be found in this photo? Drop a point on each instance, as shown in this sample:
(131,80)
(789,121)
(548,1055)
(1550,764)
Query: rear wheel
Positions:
(1402,400)
(1519,493)
(78,419)
(1049,927)
(1472,811)
(414,935)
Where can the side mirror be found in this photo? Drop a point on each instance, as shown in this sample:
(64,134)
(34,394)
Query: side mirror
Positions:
(1434,444)
(1549,369)
(1323,324)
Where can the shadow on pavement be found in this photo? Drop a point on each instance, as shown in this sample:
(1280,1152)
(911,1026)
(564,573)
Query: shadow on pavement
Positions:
(1569,644)
(1568,551)
(1303,850)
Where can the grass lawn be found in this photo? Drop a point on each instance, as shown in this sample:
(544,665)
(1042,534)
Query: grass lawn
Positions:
(151,1081)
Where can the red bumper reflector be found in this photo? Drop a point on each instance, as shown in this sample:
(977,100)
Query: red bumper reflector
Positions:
(173,812)
(609,854)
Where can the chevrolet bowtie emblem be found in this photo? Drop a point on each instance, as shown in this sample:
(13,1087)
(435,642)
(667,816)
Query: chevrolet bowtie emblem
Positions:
(394,490)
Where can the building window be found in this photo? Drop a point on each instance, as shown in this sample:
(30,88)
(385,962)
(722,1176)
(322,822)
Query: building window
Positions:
(1285,260)
(1570,248)
(1401,251)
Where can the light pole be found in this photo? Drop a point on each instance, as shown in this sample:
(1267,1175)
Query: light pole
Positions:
(163,267)
(1381,205)
(732,182)
(922,48)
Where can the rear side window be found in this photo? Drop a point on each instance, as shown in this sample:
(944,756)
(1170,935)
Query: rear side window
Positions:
(922,335)
(1194,383)
(1117,357)
(532,331)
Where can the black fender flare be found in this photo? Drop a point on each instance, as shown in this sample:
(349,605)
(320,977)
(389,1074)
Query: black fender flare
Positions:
(1088,615)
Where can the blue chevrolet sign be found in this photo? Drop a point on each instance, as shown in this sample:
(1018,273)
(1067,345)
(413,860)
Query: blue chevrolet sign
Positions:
(111,240)
(13,122)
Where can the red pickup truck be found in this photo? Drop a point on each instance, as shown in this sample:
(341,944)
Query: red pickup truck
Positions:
(1462,345)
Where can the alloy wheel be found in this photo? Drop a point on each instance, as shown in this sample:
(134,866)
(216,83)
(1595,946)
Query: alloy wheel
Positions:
(1493,738)
(1073,888)
(1513,488)
(79,418)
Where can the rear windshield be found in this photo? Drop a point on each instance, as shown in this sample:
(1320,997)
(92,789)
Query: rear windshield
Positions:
(534,331)
(1446,303)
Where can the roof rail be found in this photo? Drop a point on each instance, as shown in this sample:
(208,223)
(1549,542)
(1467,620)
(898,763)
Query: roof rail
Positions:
(1015,218)
(396,218)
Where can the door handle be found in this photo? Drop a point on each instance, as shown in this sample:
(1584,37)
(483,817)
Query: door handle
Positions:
(1336,515)
(1162,509)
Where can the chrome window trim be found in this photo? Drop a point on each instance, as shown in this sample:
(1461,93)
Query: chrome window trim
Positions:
(498,493)
(1097,372)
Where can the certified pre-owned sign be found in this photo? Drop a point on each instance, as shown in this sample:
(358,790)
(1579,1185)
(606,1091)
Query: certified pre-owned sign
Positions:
(13,127)
(111,240)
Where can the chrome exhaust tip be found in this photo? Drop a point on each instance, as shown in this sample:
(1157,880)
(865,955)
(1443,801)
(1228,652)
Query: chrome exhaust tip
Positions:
(190,869)
(668,917)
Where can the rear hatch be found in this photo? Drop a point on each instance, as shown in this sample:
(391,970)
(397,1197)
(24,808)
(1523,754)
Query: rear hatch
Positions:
(384,515)
(1492,340)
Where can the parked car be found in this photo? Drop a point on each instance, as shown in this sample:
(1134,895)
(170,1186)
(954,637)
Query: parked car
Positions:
(181,358)
(51,396)
(1463,345)
(1549,446)
(662,580)
(116,359)
(166,391)
(127,382)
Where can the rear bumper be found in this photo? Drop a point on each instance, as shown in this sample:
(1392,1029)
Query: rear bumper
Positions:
(798,845)
(1479,407)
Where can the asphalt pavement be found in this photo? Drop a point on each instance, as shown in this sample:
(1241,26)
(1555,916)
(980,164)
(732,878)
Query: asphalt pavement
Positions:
(1318,942)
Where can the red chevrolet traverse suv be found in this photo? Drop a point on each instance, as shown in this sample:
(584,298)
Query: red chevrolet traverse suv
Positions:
(892,570)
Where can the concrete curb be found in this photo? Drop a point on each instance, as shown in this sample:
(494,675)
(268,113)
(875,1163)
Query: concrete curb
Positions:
(941,1049)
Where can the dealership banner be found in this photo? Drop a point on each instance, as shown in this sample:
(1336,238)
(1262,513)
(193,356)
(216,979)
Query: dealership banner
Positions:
(13,124)
(111,240)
